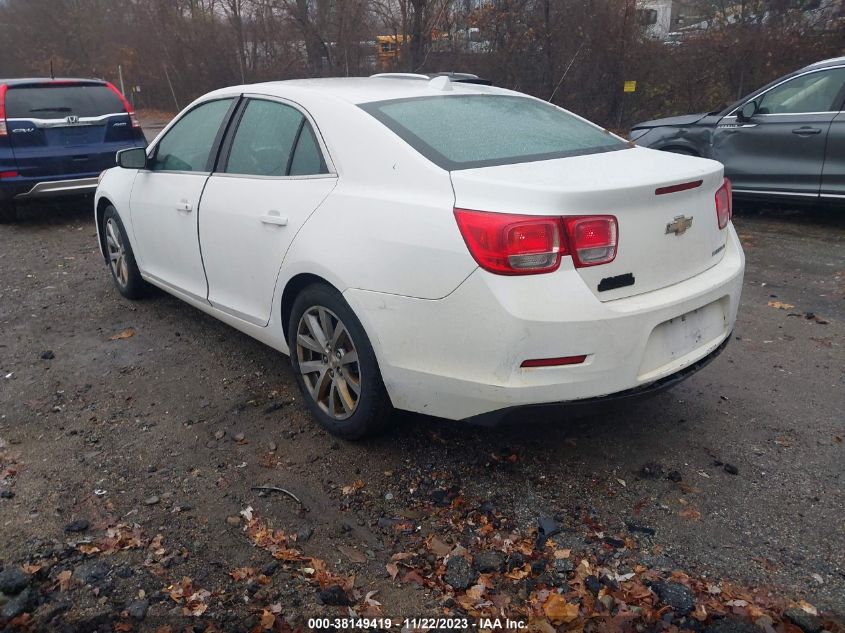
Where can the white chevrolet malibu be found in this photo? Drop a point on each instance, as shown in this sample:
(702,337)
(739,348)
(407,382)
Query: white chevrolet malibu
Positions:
(452,249)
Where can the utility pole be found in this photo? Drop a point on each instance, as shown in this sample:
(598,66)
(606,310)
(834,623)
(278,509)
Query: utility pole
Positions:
(120,76)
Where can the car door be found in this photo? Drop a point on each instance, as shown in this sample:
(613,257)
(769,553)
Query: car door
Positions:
(781,148)
(273,174)
(166,196)
(833,174)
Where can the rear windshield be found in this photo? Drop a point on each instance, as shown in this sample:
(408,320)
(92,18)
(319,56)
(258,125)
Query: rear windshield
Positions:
(58,102)
(462,132)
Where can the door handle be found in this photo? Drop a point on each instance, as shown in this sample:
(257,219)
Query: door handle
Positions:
(184,206)
(806,130)
(273,217)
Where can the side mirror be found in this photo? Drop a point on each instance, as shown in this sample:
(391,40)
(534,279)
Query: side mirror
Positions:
(135,158)
(747,111)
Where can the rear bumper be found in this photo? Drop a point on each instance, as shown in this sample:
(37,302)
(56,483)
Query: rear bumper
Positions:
(32,188)
(459,357)
(56,188)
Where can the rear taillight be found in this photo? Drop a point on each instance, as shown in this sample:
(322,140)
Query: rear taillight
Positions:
(510,244)
(8,174)
(126,105)
(3,130)
(592,239)
(724,204)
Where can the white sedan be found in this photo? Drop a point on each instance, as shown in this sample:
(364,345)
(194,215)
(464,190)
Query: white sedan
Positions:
(446,248)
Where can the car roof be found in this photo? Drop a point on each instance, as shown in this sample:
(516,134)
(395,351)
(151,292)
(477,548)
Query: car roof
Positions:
(22,81)
(358,90)
(834,61)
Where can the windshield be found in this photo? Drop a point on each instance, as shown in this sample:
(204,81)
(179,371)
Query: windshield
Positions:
(60,101)
(467,131)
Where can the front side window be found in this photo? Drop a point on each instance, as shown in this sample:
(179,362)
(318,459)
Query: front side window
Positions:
(274,139)
(187,145)
(467,131)
(814,92)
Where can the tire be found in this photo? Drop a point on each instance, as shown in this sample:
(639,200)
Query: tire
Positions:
(120,257)
(8,212)
(345,360)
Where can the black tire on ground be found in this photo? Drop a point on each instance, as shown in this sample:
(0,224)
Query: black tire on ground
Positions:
(8,212)
(372,409)
(128,281)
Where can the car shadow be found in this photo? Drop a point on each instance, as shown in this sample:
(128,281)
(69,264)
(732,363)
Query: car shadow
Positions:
(56,212)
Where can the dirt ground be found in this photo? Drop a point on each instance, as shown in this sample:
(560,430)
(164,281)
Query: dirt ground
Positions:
(132,436)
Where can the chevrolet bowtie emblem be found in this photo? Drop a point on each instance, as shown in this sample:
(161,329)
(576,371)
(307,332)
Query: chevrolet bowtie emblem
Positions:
(679,225)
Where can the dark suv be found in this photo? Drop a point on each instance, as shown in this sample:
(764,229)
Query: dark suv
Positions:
(784,141)
(57,135)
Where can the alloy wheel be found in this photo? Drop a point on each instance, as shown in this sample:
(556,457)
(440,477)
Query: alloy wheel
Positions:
(117,252)
(328,361)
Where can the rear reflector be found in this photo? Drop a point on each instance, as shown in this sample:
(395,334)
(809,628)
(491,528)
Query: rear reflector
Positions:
(675,188)
(8,174)
(554,362)
(724,204)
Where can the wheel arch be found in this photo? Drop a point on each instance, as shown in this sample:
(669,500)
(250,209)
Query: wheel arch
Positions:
(293,287)
(100,213)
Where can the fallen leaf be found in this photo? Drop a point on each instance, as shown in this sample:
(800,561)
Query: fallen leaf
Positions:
(558,610)
(392,570)
(127,333)
(691,513)
(437,546)
(780,305)
(64,578)
(267,620)
(31,569)
(353,487)
(807,607)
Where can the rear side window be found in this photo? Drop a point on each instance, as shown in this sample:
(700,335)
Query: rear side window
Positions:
(467,131)
(274,139)
(60,101)
(187,145)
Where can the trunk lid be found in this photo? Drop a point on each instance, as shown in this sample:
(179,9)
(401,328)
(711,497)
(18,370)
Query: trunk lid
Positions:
(59,129)
(623,184)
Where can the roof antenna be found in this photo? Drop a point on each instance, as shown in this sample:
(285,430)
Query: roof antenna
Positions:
(52,74)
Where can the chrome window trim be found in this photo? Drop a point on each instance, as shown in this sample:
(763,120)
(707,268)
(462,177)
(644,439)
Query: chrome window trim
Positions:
(151,148)
(832,195)
(777,193)
(780,83)
(220,174)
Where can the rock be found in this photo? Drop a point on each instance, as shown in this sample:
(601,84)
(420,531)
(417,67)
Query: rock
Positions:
(13,580)
(488,561)
(91,572)
(17,605)
(731,625)
(151,501)
(804,621)
(304,533)
(459,573)
(642,529)
(137,610)
(515,561)
(613,541)
(47,355)
(677,596)
(7,494)
(675,476)
(270,568)
(234,521)
(651,470)
(79,525)
(239,437)
(219,435)
(593,584)
(546,528)
(564,565)
(731,469)
(334,596)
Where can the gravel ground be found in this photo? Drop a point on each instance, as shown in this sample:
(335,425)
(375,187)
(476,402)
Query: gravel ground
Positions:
(132,434)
